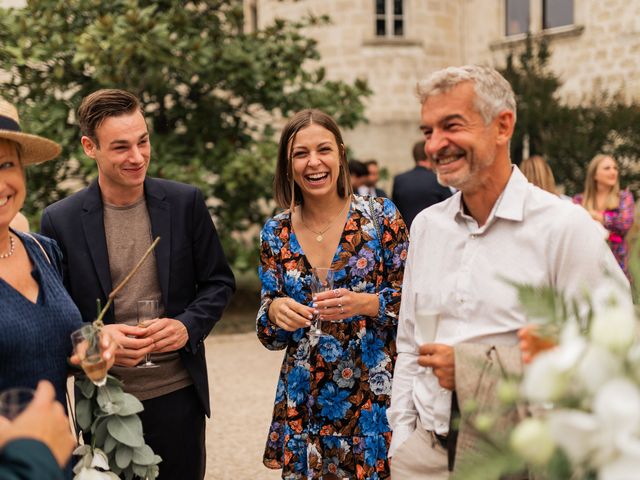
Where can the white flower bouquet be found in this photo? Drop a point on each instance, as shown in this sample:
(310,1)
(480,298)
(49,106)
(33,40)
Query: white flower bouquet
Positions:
(581,397)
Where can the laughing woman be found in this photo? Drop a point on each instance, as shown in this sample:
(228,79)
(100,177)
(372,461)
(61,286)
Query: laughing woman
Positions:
(329,418)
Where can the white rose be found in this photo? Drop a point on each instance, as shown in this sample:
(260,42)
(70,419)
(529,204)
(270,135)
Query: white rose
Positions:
(597,367)
(532,440)
(614,328)
(575,432)
(547,377)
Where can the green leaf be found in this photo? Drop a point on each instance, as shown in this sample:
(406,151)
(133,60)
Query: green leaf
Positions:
(127,430)
(83,413)
(124,454)
(99,432)
(143,455)
(86,387)
(128,405)
(109,444)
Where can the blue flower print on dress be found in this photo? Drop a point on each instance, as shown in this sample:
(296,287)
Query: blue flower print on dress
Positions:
(329,383)
(380,381)
(374,420)
(330,349)
(346,374)
(363,263)
(269,281)
(294,285)
(333,401)
(298,385)
(375,449)
(372,350)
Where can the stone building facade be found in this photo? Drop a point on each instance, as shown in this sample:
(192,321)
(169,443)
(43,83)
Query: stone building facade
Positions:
(595,46)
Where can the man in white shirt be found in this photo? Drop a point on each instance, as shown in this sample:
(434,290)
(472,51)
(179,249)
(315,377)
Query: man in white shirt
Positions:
(498,227)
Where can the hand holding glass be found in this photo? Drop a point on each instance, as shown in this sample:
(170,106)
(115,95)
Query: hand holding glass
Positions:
(321,281)
(147,313)
(88,347)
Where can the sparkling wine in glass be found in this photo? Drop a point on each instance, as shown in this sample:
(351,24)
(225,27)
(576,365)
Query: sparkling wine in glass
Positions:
(426,316)
(86,345)
(147,314)
(321,281)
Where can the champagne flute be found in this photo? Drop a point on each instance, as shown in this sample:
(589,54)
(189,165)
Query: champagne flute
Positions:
(147,313)
(14,400)
(321,281)
(427,317)
(86,345)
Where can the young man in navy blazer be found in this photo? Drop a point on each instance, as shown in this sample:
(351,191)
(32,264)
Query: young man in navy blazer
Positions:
(103,230)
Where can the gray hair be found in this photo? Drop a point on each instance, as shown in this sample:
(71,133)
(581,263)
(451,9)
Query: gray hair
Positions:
(493,93)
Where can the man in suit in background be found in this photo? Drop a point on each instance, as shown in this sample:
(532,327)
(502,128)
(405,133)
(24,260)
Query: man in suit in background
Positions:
(417,189)
(103,231)
(371,182)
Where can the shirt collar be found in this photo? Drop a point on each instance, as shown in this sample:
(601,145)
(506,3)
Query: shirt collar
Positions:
(509,205)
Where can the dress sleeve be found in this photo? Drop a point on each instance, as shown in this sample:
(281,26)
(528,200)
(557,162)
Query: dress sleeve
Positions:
(395,243)
(619,221)
(270,273)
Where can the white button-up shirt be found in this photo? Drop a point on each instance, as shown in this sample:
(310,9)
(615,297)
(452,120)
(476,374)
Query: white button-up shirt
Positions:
(457,271)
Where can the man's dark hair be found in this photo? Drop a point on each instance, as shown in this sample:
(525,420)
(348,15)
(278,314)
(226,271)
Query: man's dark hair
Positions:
(371,162)
(358,169)
(102,104)
(419,155)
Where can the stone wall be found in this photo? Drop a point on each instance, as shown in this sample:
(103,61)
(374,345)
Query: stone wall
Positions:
(601,51)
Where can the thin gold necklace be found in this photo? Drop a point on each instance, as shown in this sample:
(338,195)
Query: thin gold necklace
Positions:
(320,234)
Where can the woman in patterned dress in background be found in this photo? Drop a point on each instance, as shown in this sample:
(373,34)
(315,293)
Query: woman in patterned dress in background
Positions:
(608,205)
(329,418)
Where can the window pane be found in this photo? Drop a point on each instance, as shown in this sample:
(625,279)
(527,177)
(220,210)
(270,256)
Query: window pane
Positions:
(380,7)
(381,31)
(398,27)
(397,7)
(557,13)
(517,16)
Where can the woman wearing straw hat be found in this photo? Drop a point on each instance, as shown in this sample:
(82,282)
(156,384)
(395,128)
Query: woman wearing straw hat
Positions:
(37,315)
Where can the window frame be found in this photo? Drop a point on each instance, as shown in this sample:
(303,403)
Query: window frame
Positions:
(543,20)
(389,18)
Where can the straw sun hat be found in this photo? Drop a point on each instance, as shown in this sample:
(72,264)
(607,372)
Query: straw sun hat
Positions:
(33,149)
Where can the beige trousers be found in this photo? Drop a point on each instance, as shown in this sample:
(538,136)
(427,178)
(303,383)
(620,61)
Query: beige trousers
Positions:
(419,458)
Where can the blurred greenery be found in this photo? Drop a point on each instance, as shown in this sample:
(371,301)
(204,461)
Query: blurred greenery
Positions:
(569,136)
(214,94)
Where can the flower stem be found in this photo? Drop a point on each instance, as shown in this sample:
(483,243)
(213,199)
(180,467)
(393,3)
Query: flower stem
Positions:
(98,323)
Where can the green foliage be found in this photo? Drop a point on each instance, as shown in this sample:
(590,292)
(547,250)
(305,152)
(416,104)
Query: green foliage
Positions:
(569,136)
(212,93)
(111,416)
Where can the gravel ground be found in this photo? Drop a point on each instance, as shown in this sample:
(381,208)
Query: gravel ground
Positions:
(242,382)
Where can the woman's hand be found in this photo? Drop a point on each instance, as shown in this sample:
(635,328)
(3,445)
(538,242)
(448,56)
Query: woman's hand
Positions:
(338,304)
(286,313)
(532,343)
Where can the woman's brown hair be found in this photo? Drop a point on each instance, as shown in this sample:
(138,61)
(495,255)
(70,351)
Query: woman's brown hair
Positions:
(590,187)
(538,172)
(286,192)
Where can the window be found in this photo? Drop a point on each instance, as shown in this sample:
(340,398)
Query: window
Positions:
(517,16)
(557,13)
(389,18)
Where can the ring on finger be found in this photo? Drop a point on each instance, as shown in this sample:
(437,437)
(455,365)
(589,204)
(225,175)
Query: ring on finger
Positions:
(336,293)
(341,309)
(340,304)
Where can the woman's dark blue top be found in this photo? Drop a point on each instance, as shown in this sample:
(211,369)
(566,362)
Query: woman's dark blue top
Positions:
(35,337)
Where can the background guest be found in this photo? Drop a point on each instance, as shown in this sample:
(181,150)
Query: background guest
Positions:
(608,205)
(329,418)
(358,174)
(370,185)
(38,442)
(538,172)
(418,188)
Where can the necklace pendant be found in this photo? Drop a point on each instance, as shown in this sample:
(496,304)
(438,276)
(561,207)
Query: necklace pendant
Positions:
(319,238)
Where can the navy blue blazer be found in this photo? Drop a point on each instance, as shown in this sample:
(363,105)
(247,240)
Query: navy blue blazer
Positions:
(193,273)
(415,190)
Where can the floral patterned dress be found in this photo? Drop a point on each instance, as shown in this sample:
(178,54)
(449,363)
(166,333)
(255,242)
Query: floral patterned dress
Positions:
(618,221)
(329,419)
